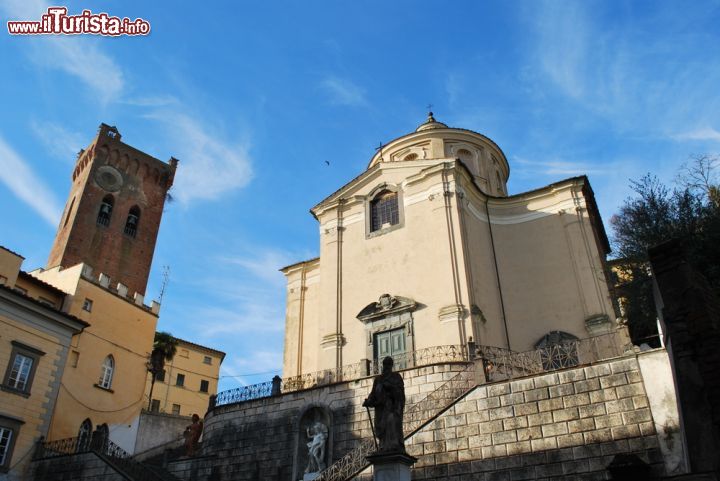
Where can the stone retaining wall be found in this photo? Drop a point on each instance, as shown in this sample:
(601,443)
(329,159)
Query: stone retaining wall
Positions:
(565,425)
(258,440)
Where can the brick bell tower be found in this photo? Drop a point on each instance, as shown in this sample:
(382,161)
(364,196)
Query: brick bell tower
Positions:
(112,216)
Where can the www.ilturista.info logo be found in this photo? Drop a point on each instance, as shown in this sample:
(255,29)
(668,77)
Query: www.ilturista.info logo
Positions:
(57,21)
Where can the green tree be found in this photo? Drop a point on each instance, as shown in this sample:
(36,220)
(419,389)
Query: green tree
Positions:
(164,350)
(656,213)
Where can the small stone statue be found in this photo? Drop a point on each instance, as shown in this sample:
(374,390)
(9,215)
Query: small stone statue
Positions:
(192,435)
(388,399)
(318,434)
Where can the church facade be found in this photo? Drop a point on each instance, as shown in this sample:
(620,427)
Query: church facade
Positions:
(426,248)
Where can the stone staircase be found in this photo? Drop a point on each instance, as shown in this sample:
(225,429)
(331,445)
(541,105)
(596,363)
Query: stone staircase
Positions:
(419,415)
(110,453)
(162,454)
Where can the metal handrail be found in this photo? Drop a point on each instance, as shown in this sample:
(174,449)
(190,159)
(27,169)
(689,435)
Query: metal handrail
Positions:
(103,447)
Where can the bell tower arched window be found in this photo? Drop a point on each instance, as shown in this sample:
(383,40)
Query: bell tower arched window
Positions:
(384,210)
(133,219)
(106,208)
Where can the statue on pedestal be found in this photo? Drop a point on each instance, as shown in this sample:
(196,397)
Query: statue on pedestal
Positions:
(388,399)
(318,434)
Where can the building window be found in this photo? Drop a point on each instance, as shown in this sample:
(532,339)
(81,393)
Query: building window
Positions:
(184,353)
(9,429)
(155,405)
(180,381)
(133,219)
(384,210)
(21,368)
(204,385)
(558,350)
(74,358)
(160,376)
(6,437)
(176,409)
(207,360)
(84,435)
(105,212)
(87,305)
(106,372)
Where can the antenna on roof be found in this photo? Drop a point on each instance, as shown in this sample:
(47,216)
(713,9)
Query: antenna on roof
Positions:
(166,279)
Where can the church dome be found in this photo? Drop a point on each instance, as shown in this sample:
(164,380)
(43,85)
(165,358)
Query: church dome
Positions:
(430,123)
(434,141)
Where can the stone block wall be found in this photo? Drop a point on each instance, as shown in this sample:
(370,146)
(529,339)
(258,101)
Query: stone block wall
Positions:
(564,425)
(157,429)
(262,439)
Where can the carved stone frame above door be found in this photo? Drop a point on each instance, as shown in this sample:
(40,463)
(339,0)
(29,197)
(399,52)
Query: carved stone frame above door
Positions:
(388,313)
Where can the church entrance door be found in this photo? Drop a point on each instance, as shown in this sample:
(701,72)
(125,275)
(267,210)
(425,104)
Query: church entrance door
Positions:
(391,343)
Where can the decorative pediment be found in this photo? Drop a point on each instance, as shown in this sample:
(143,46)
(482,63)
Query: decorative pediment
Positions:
(386,305)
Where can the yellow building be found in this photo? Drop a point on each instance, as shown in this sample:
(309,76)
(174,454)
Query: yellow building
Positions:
(187,383)
(426,248)
(35,339)
(104,380)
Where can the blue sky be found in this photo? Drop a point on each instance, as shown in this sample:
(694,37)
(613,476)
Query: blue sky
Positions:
(254,98)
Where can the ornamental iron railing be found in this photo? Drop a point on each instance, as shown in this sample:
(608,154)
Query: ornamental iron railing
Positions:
(113,454)
(502,364)
(350,372)
(245,393)
(499,364)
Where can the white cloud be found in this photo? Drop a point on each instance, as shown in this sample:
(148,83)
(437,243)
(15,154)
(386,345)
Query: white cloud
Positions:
(640,80)
(253,316)
(453,88)
(343,91)
(209,165)
(58,140)
(250,368)
(152,101)
(559,167)
(707,133)
(264,264)
(22,181)
(562,45)
(79,56)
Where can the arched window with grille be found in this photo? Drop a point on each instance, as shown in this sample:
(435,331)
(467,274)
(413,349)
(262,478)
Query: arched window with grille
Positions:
(384,210)
(84,435)
(133,219)
(558,350)
(105,212)
(106,372)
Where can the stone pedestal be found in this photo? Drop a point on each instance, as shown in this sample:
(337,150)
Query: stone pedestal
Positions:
(391,466)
